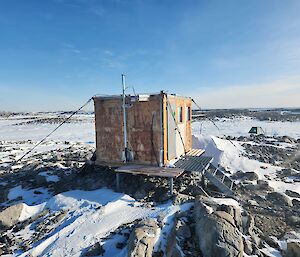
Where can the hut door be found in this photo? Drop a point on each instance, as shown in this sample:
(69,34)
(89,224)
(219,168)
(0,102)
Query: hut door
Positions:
(171,132)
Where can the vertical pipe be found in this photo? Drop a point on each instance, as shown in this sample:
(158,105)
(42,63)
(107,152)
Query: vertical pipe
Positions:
(171,186)
(161,152)
(118,181)
(124,117)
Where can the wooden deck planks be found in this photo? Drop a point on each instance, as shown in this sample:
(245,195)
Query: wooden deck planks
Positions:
(152,171)
(195,152)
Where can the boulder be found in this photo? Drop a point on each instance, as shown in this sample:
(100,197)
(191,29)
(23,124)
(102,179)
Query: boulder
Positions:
(10,216)
(293,249)
(296,202)
(183,230)
(245,175)
(248,249)
(279,198)
(3,195)
(293,220)
(234,212)
(217,233)
(40,181)
(264,185)
(287,139)
(142,239)
(292,193)
(182,198)
(250,176)
(95,250)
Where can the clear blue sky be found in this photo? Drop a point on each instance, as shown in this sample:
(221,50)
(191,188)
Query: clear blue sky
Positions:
(55,54)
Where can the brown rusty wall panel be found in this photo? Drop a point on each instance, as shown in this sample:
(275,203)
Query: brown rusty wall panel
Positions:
(109,129)
(144,130)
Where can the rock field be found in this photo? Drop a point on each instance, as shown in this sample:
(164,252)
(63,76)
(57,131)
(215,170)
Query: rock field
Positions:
(259,220)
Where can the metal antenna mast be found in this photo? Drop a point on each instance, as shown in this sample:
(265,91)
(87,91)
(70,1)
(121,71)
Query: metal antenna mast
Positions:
(124,117)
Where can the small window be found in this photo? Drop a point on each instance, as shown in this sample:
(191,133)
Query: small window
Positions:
(180,117)
(188,113)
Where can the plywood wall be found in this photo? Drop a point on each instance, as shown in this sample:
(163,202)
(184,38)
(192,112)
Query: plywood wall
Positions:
(143,128)
(143,131)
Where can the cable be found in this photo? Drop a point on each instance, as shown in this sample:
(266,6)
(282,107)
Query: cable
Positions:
(214,124)
(40,142)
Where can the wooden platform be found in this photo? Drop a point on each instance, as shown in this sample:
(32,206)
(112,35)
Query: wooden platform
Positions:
(151,171)
(195,152)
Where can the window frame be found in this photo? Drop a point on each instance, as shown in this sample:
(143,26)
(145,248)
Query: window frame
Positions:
(180,114)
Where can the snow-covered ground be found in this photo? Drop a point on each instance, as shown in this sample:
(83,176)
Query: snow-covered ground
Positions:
(229,154)
(90,216)
(241,125)
(83,131)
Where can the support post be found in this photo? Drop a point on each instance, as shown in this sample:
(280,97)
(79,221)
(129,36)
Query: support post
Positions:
(171,186)
(118,181)
(124,118)
(161,151)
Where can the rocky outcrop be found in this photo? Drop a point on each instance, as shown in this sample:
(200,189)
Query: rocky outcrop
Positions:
(10,216)
(217,231)
(292,193)
(293,249)
(279,198)
(142,239)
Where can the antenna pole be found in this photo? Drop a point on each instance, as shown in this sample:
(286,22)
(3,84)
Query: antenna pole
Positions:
(124,117)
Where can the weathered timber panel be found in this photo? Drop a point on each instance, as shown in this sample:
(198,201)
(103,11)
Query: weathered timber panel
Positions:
(143,128)
(144,131)
(109,129)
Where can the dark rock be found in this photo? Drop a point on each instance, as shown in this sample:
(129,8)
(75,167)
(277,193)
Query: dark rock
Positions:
(287,139)
(250,176)
(264,185)
(279,198)
(95,250)
(296,202)
(183,230)
(293,249)
(292,193)
(182,198)
(120,245)
(293,220)
(3,195)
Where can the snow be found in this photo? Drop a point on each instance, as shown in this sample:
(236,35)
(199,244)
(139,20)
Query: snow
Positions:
(49,177)
(241,126)
(77,132)
(30,211)
(28,195)
(168,220)
(281,186)
(227,201)
(229,155)
(92,215)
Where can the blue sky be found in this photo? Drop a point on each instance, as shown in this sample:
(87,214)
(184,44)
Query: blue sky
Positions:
(55,54)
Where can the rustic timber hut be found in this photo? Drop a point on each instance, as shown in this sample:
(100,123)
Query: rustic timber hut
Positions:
(144,129)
